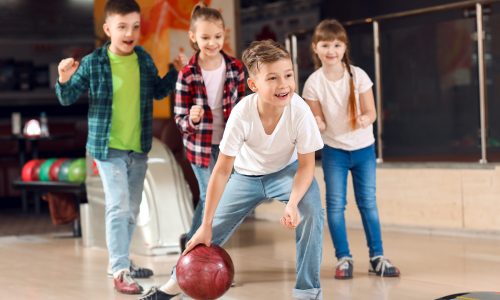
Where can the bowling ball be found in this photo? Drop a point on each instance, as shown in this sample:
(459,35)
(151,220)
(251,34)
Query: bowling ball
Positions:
(205,272)
(28,168)
(54,169)
(64,170)
(35,176)
(45,168)
(77,171)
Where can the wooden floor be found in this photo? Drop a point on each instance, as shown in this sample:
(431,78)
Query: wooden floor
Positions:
(58,267)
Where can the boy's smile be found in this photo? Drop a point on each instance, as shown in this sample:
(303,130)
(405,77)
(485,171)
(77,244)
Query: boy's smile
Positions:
(124,32)
(274,82)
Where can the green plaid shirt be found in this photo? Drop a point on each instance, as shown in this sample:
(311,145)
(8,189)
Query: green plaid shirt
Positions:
(94,75)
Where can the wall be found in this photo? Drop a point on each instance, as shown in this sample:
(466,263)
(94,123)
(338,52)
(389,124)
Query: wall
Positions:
(453,199)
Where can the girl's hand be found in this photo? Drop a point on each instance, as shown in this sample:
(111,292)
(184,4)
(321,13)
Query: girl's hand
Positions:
(321,123)
(291,217)
(363,121)
(196,113)
(202,236)
(66,68)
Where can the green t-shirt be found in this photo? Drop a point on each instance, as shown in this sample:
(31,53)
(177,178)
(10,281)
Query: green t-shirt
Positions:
(126,118)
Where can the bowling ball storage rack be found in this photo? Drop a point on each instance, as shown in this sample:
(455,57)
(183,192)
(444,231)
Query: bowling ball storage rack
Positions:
(78,189)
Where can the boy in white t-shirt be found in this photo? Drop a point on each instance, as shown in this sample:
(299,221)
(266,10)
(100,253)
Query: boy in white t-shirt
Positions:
(270,138)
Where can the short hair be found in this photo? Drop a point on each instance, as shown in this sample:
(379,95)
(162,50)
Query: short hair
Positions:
(121,7)
(263,52)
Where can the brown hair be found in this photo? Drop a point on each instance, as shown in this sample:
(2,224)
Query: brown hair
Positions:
(330,30)
(263,52)
(121,7)
(202,12)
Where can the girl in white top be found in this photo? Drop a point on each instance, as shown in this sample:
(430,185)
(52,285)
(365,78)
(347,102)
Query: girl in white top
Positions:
(341,99)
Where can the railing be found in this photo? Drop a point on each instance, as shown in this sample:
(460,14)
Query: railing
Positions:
(478,9)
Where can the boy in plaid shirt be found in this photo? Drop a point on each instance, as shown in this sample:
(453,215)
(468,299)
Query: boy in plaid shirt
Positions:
(122,82)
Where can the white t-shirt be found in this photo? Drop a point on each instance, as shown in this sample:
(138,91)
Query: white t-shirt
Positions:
(258,153)
(333,97)
(214,84)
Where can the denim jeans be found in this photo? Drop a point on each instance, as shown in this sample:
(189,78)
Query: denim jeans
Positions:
(122,175)
(336,165)
(202,175)
(244,193)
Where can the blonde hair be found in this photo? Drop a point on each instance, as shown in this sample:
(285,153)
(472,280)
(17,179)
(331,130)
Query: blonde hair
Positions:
(263,52)
(202,12)
(330,30)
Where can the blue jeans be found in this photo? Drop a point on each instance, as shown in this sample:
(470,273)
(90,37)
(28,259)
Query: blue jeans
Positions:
(244,193)
(336,165)
(202,175)
(122,175)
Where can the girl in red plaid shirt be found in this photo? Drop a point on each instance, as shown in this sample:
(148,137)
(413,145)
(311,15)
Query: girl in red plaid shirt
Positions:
(207,89)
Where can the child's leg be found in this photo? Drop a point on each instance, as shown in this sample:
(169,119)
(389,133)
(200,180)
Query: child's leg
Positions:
(137,167)
(309,233)
(114,177)
(336,164)
(364,181)
(241,195)
(202,176)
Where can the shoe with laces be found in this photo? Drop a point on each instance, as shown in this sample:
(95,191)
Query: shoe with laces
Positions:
(135,271)
(383,267)
(156,294)
(138,272)
(124,283)
(344,267)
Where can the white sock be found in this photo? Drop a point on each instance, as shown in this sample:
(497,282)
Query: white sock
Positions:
(117,273)
(171,287)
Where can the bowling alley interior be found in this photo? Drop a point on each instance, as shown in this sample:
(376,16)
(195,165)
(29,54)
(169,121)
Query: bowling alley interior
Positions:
(427,73)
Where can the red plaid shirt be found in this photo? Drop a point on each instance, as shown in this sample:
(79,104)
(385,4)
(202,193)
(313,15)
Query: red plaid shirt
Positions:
(190,90)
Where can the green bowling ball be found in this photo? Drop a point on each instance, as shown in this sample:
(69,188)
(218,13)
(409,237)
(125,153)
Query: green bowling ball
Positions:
(77,171)
(64,170)
(45,169)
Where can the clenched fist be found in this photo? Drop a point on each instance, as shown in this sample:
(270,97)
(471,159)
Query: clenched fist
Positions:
(66,68)
(196,113)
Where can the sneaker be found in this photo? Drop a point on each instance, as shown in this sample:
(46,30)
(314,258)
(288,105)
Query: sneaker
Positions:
(156,294)
(138,272)
(135,271)
(343,269)
(124,283)
(183,241)
(381,266)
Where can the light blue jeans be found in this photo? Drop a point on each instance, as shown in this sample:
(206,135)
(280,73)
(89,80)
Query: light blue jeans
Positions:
(202,175)
(336,165)
(244,193)
(122,175)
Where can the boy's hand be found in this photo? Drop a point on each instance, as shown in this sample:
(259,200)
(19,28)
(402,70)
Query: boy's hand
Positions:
(202,236)
(196,113)
(66,68)
(291,217)
(363,121)
(321,123)
(180,60)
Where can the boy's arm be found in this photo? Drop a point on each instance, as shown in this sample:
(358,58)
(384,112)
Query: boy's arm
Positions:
(216,185)
(166,85)
(72,82)
(318,114)
(301,183)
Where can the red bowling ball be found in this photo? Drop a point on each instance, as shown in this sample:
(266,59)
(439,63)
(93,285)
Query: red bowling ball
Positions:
(205,272)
